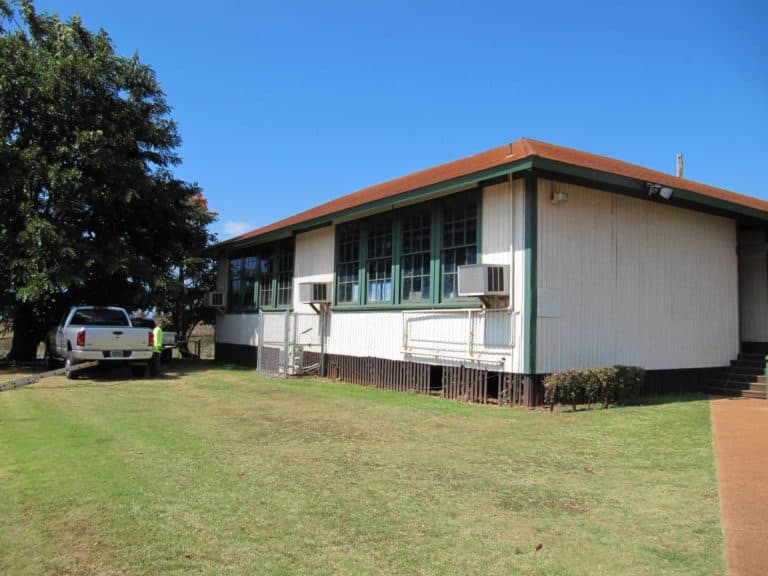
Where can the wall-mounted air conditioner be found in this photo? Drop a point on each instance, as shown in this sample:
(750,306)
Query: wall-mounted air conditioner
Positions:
(315,292)
(484,280)
(215,299)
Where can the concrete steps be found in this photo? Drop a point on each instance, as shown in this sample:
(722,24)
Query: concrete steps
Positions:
(744,378)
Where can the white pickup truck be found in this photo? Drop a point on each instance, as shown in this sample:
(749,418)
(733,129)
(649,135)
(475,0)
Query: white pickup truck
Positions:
(103,333)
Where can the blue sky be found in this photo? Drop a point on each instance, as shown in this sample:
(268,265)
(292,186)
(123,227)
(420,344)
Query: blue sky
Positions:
(284,105)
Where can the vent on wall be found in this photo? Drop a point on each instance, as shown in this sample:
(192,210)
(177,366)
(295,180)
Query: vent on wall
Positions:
(315,292)
(215,300)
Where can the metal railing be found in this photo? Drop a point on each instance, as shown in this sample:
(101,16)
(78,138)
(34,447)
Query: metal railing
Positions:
(485,335)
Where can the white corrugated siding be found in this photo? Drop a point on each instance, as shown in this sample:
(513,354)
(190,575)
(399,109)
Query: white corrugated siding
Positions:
(753,288)
(432,336)
(518,273)
(237,329)
(366,334)
(502,232)
(624,280)
(313,261)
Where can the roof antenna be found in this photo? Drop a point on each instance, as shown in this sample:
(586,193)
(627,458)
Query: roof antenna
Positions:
(680,165)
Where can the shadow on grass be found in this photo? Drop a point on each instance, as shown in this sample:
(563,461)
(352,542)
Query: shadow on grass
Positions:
(673,399)
(645,401)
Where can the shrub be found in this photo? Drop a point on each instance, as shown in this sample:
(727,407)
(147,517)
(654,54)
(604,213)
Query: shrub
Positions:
(609,384)
(593,382)
(566,387)
(629,380)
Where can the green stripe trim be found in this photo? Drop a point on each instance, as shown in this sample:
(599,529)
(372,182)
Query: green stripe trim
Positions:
(530,289)
(421,306)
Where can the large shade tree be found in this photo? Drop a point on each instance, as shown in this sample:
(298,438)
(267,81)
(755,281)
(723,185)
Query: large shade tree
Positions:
(89,208)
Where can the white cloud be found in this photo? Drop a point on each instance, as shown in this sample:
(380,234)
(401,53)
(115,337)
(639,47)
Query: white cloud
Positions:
(233,228)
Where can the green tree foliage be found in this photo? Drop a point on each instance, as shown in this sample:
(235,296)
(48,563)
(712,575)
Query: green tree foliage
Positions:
(182,291)
(89,209)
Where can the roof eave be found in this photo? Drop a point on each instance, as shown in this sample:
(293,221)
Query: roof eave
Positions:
(388,203)
(636,187)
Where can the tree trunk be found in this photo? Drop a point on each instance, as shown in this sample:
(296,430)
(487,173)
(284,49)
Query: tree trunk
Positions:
(26,334)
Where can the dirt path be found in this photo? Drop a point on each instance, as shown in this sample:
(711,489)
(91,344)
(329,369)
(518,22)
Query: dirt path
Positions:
(740,430)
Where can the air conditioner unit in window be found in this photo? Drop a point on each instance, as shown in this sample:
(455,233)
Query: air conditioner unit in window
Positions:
(489,282)
(315,292)
(215,299)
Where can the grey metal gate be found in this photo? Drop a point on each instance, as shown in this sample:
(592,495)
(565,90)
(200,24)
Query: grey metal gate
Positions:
(290,343)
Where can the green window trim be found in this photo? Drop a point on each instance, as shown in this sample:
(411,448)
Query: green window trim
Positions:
(460,237)
(378,259)
(348,256)
(261,278)
(415,256)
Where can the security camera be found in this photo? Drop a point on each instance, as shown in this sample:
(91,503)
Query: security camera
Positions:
(666,193)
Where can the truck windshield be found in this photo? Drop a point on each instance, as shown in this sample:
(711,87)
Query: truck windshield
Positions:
(99,317)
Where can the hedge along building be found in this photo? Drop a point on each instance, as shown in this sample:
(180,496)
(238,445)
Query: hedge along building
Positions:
(605,263)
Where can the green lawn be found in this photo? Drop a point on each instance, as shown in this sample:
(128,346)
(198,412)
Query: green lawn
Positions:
(218,471)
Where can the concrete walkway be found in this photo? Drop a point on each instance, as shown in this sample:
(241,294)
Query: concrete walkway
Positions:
(740,431)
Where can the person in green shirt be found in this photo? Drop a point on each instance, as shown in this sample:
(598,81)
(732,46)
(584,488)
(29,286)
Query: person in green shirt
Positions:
(157,349)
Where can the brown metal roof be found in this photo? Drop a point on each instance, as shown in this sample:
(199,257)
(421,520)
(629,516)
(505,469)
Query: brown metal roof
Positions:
(493,158)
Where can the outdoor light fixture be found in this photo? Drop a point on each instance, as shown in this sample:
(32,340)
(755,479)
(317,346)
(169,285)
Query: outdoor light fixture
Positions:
(657,189)
(559,197)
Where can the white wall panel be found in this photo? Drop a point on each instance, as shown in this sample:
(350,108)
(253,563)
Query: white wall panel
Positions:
(497,224)
(624,280)
(431,336)
(753,287)
(237,329)
(313,261)
(518,272)
(502,232)
(366,334)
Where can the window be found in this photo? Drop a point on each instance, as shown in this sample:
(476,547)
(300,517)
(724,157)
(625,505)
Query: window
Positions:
(378,265)
(249,277)
(409,256)
(348,276)
(261,278)
(459,243)
(265,279)
(284,275)
(415,258)
(99,317)
(234,300)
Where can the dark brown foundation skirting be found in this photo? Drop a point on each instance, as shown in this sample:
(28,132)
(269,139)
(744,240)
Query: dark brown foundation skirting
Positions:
(677,381)
(463,383)
(454,382)
(754,347)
